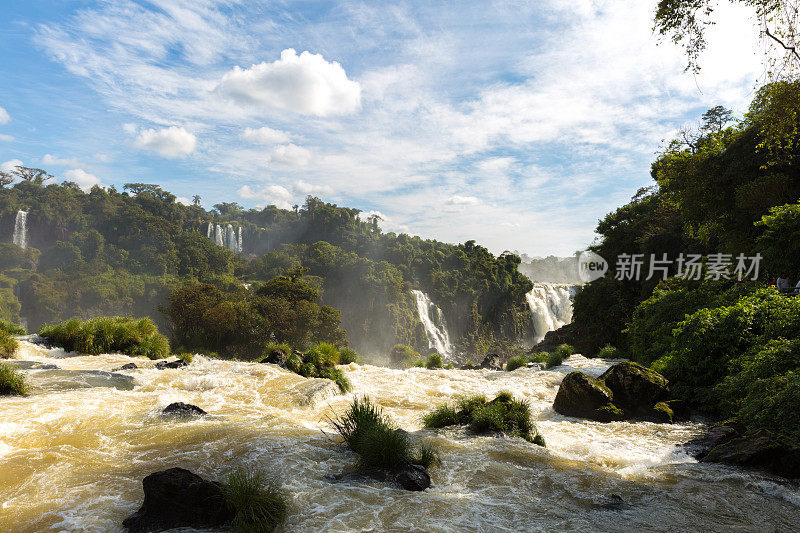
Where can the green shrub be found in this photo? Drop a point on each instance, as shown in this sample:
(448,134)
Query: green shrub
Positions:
(323,354)
(257,506)
(427,456)
(376,441)
(337,376)
(564,351)
(185,356)
(539,357)
(11,329)
(434,361)
(274,347)
(107,335)
(608,352)
(319,362)
(440,417)
(347,356)
(516,362)
(556,358)
(402,354)
(12,382)
(8,345)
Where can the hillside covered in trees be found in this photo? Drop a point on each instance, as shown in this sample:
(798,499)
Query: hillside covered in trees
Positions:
(137,252)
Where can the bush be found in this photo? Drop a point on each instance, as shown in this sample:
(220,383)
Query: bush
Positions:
(11,329)
(347,356)
(323,354)
(516,362)
(564,351)
(109,335)
(258,506)
(319,362)
(12,382)
(504,414)
(434,361)
(556,358)
(8,345)
(274,347)
(403,355)
(608,352)
(378,443)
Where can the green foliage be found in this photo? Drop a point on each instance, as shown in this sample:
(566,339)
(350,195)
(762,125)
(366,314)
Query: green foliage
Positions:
(109,335)
(347,356)
(11,329)
(608,352)
(564,351)
(12,382)
(434,361)
(378,443)
(403,355)
(504,414)
(319,362)
(8,345)
(258,505)
(516,362)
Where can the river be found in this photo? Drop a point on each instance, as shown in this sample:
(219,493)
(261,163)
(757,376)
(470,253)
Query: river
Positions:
(73,454)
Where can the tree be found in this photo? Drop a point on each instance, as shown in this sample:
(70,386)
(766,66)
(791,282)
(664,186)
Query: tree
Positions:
(6,179)
(36,176)
(685,21)
(196,200)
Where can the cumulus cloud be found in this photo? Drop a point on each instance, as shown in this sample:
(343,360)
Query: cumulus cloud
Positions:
(83,179)
(5,118)
(268,195)
(457,200)
(495,164)
(306,188)
(290,155)
(51,160)
(264,135)
(6,138)
(172,142)
(10,165)
(304,83)
(183,200)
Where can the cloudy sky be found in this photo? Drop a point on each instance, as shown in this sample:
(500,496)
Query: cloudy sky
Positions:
(515,123)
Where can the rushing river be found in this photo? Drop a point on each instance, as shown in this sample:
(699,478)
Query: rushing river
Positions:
(73,454)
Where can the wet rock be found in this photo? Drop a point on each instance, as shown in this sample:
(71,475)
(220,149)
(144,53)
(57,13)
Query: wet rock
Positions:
(762,450)
(128,366)
(311,392)
(715,436)
(276,357)
(49,367)
(635,388)
(613,503)
(668,412)
(177,498)
(183,410)
(493,362)
(413,477)
(178,363)
(583,396)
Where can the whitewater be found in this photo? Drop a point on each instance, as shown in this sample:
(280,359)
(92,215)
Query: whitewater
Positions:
(73,454)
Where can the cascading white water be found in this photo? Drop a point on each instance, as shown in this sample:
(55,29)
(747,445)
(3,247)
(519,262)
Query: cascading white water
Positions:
(239,242)
(218,236)
(432,319)
(21,229)
(230,238)
(226,237)
(210,231)
(551,307)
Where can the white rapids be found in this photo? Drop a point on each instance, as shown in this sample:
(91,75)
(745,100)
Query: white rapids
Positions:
(551,307)
(72,457)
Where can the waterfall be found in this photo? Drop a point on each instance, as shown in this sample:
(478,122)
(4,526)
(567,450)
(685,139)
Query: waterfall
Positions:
(226,236)
(239,247)
(218,235)
(432,319)
(230,238)
(551,307)
(210,232)
(21,229)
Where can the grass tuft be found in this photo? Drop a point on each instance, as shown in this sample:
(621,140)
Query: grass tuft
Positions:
(434,361)
(258,505)
(516,362)
(8,345)
(109,335)
(347,356)
(12,382)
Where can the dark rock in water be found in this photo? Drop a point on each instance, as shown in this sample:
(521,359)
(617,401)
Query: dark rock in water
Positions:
(469,367)
(178,363)
(49,367)
(715,436)
(128,366)
(493,362)
(177,498)
(583,396)
(183,409)
(667,412)
(635,388)
(276,357)
(762,450)
(413,477)
(614,503)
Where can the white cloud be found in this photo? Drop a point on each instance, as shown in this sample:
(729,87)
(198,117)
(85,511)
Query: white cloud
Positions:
(51,160)
(306,84)
(276,195)
(8,166)
(5,118)
(264,135)
(183,200)
(6,138)
(172,142)
(291,155)
(83,179)
(306,188)
(462,200)
(495,164)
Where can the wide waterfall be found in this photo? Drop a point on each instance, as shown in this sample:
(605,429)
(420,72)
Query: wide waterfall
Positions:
(432,319)
(551,307)
(21,229)
(226,236)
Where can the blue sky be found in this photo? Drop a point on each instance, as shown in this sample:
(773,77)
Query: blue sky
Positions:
(515,123)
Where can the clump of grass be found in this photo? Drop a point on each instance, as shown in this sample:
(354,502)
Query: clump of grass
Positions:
(516,362)
(185,356)
(273,347)
(11,329)
(504,414)
(107,335)
(376,440)
(12,382)
(403,355)
(347,356)
(551,359)
(257,505)
(319,362)
(608,352)
(8,345)
(564,350)
(434,361)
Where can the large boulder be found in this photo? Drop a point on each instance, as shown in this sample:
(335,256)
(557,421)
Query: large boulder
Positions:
(413,477)
(583,396)
(493,362)
(178,363)
(762,450)
(716,435)
(636,389)
(183,410)
(276,357)
(178,498)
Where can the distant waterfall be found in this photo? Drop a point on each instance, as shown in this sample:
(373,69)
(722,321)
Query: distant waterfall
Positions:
(21,229)
(432,319)
(551,307)
(227,237)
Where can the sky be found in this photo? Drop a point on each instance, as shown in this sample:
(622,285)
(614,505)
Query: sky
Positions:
(516,123)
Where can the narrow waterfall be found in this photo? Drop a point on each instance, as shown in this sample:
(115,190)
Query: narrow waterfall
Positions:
(21,229)
(551,307)
(227,236)
(210,231)
(230,238)
(432,319)
(218,236)
(239,248)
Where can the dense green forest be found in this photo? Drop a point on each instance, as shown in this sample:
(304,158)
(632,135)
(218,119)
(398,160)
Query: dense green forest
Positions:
(138,252)
(728,346)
